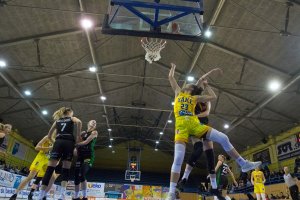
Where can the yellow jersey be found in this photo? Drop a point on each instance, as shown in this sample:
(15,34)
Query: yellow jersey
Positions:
(184,105)
(258,176)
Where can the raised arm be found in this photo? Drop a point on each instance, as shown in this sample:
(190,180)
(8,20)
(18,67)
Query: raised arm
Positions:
(219,163)
(209,97)
(206,112)
(90,138)
(78,127)
(202,78)
(51,131)
(173,81)
(252,178)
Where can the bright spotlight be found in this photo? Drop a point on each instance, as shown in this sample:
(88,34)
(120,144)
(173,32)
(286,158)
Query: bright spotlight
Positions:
(93,69)
(27,92)
(170,121)
(109,129)
(190,78)
(2,64)
(226,126)
(161,133)
(113,152)
(44,112)
(111,139)
(86,23)
(157,142)
(156,149)
(207,33)
(103,98)
(173,103)
(110,146)
(274,85)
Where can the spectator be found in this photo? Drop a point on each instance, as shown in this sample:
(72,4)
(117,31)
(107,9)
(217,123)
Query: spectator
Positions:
(272,197)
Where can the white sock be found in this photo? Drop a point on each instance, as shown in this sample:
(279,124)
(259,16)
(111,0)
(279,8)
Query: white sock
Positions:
(187,172)
(213,182)
(172,187)
(76,195)
(42,194)
(84,193)
(241,161)
(227,197)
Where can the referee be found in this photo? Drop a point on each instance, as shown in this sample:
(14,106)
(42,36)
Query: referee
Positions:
(291,182)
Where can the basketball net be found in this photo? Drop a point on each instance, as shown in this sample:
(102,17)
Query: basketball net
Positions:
(153,46)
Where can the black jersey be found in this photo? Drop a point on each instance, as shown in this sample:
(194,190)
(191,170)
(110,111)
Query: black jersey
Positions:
(65,128)
(201,107)
(224,169)
(88,148)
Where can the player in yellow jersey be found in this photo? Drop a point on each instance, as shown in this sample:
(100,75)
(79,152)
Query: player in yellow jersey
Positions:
(187,124)
(37,168)
(258,180)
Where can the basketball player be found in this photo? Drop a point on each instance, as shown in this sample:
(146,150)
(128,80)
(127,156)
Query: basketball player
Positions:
(187,124)
(223,170)
(258,180)
(202,111)
(63,147)
(85,158)
(5,129)
(37,168)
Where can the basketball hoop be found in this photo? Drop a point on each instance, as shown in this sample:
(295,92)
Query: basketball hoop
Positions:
(153,46)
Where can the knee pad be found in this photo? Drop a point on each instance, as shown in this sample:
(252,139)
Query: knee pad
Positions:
(48,175)
(65,174)
(178,158)
(221,138)
(37,180)
(210,157)
(198,149)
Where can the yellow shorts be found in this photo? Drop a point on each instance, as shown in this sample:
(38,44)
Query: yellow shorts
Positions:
(40,164)
(187,126)
(259,188)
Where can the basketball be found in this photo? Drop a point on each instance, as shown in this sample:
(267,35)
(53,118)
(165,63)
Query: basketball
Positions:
(175,27)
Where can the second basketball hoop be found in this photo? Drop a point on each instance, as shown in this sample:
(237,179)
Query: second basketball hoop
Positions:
(153,46)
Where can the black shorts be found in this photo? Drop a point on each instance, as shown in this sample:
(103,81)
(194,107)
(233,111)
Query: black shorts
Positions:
(62,149)
(223,183)
(58,168)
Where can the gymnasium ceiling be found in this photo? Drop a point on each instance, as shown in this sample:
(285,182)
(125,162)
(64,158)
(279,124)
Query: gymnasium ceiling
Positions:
(247,43)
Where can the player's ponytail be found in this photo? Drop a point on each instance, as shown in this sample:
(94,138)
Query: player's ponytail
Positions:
(61,112)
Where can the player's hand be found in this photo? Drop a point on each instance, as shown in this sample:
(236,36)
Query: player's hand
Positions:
(173,65)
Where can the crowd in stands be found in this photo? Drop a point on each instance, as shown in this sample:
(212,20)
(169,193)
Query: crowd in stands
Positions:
(14,169)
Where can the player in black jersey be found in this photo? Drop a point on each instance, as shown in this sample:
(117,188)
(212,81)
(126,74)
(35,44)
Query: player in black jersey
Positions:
(223,170)
(5,129)
(63,147)
(85,158)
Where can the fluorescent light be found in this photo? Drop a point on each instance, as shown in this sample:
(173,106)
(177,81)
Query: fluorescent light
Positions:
(86,23)
(110,146)
(226,126)
(157,142)
(93,69)
(111,139)
(274,85)
(170,121)
(156,149)
(109,129)
(2,63)
(161,133)
(103,98)
(207,33)
(190,78)
(27,92)
(44,112)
